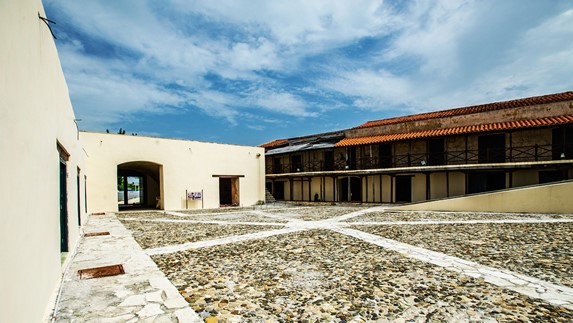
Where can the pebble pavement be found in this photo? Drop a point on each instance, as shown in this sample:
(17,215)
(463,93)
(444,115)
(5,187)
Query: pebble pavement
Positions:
(342,264)
(541,250)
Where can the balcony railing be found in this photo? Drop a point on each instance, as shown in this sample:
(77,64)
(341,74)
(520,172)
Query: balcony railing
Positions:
(456,157)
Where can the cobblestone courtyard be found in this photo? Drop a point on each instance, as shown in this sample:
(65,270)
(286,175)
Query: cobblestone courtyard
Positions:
(355,264)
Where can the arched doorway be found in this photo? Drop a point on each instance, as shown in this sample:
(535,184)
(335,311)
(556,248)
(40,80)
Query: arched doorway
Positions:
(139,185)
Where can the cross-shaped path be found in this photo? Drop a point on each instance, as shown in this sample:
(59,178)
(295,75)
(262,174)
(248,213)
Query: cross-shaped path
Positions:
(553,293)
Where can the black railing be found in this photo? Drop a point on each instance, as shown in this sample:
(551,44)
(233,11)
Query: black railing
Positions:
(456,157)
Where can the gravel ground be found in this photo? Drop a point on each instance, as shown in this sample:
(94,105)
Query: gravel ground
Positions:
(217,210)
(541,250)
(320,275)
(159,234)
(250,216)
(315,213)
(210,215)
(450,216)
(146,215)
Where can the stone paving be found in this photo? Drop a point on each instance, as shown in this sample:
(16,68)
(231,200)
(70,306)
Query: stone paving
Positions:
(343,264)
(142,294)
(541,250)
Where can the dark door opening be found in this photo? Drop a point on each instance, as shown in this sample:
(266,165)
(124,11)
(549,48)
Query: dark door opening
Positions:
(229,191)
(296,163)
(484,182)
(562,143)
(79,198)
(385,156)
(491,149)
(355,186)
(436,152)
(63,208)
(328,159)
(403,189)
(279,191)
(85,194)
(352,157)
(225,196)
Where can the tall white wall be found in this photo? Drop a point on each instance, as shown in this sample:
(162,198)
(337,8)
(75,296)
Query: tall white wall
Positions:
(187,165)
(35,114)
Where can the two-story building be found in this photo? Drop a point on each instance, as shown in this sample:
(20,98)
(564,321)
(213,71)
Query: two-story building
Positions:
(430,155)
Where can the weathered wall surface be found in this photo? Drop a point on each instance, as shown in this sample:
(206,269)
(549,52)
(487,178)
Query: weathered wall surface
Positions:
(512,114)
(35,115)
(186,165)
(553,198)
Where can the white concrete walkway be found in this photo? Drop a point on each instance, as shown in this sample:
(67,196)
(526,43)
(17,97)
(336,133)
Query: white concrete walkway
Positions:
(142,294)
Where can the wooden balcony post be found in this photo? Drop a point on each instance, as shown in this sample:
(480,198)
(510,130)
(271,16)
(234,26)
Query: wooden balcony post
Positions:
(467,149)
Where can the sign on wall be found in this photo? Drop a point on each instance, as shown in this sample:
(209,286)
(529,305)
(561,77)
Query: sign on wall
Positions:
(194,195)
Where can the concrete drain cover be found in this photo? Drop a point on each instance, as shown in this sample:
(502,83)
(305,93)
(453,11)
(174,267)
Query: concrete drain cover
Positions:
(95,234)
(98,272)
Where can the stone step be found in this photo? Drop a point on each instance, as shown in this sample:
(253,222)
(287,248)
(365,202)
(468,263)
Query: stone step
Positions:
(269,198)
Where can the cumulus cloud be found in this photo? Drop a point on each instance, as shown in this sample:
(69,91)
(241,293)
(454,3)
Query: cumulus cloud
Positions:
(285,61)
(280,102)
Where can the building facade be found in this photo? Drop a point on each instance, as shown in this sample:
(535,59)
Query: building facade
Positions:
(167,171)
(429,156)
(42,165)
(54,175)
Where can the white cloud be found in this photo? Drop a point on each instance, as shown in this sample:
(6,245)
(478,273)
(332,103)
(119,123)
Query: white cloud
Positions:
(427,56)
(300,22)
(374,90)
(253,57)
(215,103)
(107,91)
(279,102)
(430,31)
(445,67)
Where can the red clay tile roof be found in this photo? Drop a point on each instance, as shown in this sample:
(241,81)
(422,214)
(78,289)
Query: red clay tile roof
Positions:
(499,126)
(274,143)
(544,99)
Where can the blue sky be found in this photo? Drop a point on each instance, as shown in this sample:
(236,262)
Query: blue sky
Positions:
(247,72)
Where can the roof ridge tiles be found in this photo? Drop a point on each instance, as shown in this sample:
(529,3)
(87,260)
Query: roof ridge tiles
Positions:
(542,99)
(496,126)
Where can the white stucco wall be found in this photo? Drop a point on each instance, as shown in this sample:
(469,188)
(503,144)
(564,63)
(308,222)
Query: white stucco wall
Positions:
(35,113)
(187,165)
(550,198)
